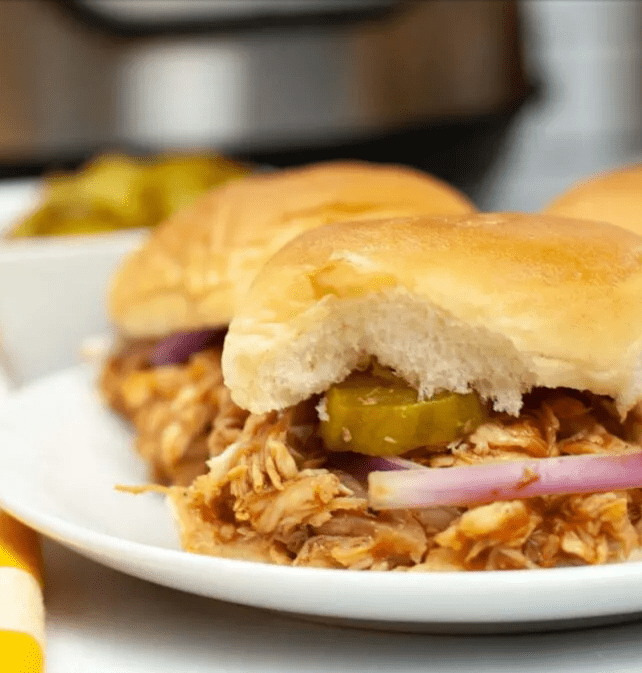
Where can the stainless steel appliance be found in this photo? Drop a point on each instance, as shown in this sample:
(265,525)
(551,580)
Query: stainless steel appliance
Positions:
(278,80)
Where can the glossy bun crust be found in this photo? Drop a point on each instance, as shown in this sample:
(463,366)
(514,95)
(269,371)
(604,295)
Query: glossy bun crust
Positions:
(614,197)
(194,268)
(498,303)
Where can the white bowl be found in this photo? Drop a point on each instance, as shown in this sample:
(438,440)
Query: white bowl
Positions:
(52,290)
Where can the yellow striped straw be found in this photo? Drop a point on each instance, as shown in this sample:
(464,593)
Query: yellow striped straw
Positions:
(22,613)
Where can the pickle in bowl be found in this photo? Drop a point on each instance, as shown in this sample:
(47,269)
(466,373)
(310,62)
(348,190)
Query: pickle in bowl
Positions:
(116,191)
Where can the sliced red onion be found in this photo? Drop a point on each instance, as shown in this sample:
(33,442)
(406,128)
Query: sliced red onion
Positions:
(360,466)
(177,348)
(474,484)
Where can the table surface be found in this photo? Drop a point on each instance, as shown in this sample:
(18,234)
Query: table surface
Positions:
(101,620)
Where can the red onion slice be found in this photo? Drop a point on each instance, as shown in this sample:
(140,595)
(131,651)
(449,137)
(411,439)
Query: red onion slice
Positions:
(177,348)
(475,484)
(360,465)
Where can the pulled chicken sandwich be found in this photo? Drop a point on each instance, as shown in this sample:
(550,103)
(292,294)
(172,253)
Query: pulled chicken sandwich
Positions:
(427,394)
(172,300)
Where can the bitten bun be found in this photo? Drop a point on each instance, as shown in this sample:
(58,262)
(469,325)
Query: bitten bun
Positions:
(498,303)
(194,268)
(614,197)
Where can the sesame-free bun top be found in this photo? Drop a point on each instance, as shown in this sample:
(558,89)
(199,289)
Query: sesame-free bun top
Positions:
(497,303)
(614,197)
(193,269)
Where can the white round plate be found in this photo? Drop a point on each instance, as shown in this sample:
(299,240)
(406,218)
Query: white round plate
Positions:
(62,453)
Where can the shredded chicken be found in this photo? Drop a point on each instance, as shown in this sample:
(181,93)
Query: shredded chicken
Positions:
(182,414)
(260,488)
(268,497)
(262,500)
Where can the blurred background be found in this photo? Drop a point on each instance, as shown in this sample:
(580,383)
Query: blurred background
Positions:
(509,100)
(156,100)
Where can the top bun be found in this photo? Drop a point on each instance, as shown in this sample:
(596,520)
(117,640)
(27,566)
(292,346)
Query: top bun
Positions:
(194,268)
(614,197)
(498,303)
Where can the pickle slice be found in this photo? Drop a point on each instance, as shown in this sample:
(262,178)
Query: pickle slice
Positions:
(382,416)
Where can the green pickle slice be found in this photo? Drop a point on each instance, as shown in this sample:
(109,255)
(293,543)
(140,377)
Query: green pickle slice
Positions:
(381,416)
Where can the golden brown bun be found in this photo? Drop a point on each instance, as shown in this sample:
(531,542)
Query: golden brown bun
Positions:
(495,302)
(614,197)
(193,269)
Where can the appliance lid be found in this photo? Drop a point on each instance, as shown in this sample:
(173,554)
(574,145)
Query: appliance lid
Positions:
(136,18)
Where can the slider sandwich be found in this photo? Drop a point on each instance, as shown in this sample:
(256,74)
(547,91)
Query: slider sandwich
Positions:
(433,393)
(614,196)
(172,300)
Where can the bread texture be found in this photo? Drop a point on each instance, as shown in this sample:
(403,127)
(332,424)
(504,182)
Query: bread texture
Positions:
(614,197)
(498,303)
(195,267)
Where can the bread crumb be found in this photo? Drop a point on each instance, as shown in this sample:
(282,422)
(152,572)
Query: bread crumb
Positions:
(322,409)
